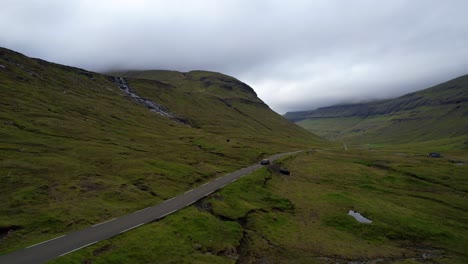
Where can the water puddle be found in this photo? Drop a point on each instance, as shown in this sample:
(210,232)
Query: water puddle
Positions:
(359,217)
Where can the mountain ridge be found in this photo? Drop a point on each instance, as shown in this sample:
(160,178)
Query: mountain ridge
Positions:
(441,107)
(369,107)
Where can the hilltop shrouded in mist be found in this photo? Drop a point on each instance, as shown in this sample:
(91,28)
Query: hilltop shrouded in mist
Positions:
(297,55)
(434,114)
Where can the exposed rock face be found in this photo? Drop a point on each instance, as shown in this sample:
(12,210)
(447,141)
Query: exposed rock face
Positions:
(152,106)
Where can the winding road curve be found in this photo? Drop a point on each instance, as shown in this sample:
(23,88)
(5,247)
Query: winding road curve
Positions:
(53,248)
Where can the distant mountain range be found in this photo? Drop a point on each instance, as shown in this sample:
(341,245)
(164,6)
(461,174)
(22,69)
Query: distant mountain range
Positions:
(436,113)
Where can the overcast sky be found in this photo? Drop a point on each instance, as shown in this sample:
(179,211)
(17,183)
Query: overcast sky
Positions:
(297,55)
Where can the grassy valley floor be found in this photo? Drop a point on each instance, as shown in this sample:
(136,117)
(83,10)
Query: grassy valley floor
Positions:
(418,207)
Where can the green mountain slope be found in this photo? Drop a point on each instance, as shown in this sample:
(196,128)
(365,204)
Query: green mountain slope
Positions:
(77,148)
(216,103)
(438,114)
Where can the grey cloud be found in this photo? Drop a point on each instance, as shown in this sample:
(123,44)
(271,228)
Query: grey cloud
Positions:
(297,55)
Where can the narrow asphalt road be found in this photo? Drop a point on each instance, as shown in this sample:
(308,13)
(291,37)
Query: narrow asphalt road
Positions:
(53,248)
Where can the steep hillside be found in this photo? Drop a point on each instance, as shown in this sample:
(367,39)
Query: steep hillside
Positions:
(216,103)
(80,147)
(437,113)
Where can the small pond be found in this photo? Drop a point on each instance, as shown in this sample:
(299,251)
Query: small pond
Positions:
(359,217)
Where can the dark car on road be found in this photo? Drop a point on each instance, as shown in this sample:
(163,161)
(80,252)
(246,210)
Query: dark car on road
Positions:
(265,162)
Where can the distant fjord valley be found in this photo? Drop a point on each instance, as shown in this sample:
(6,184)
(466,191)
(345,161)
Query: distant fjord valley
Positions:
(435,118)
(192,167)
